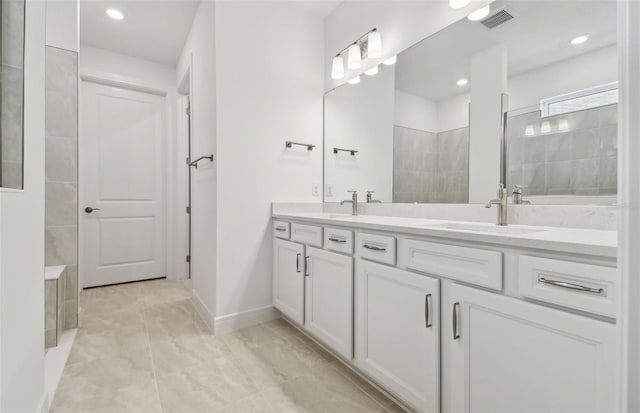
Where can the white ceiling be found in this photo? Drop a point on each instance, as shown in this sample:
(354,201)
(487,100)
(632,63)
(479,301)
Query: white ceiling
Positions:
(321,8)
(152,29)
(537,36)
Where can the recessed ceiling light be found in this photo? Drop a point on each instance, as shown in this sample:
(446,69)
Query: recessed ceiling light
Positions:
(480,14)
(458,4)
(580,39)
(462,82)
(115,14)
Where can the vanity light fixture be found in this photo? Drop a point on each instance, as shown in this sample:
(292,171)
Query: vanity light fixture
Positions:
(462,82)
(480,14)
(372,72)
(545,127)
(115,14)
(369,45)
(390,61)
(337,68)
(580,39)
(354,81)
(458,4)
(528,131)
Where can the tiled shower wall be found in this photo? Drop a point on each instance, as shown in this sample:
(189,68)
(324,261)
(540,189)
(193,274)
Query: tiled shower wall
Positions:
(579,160)
(11,91)
(61,170)
(430,167)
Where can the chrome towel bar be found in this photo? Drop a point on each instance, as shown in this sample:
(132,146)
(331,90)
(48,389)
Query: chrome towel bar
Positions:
(289,144)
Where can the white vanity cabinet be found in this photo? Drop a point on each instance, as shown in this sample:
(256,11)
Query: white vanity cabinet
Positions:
(329,299)
(288,279)
(502,354)
(398,332)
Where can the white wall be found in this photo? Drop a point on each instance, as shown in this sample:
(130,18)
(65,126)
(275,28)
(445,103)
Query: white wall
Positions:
(269,75)
(401,23)
(22,244)
(198,56)
(415,112)
(63,24)
(361,117)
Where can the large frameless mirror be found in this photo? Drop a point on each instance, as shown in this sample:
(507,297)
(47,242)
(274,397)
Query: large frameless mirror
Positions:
(11,94)
(429,129)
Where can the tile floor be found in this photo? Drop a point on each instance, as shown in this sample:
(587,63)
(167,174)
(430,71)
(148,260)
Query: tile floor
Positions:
(143,348)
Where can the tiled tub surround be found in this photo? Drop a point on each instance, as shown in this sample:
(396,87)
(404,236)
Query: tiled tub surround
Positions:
(61,171)
(430,167)
(11,93)
(54,290)
(143,348)
(578,156)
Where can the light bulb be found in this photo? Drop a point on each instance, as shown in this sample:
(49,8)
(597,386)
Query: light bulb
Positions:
(563,124)
(545,127)
(390,61)
(337,68)
(458,4)
(580,39)
(372,72)
(462,82)
(374,45)
(354,59)
(480,14)
(354,81)
(528,131)
(115,14)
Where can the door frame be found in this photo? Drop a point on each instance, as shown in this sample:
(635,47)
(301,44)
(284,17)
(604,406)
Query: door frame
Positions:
(127,83)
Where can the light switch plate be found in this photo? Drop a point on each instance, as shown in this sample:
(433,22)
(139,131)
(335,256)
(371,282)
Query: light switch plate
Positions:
(315,190)
(329,190)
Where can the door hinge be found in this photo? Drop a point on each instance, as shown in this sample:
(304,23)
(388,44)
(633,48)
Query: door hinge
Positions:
(187,110)
(188,258)
(188,210)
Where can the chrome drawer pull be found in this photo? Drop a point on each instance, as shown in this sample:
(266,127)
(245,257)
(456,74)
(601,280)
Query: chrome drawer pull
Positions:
(298,262)
(456,334)
(374,248)
(571,286)
(306,266)
(427,310)
(282,229)
(337,240)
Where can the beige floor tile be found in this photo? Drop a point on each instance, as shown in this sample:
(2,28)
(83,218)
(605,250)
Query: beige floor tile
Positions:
(279,361)
(173,355)
(315,347)
(111,304)
(178,310)
(249,338)
(133,318)
(139,397)
(325,391)
(93,344)
(172,329)
(205,388)
(362,384)
(255,403)
(281,327)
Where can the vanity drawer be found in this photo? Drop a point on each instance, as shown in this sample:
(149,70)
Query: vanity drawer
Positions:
(471,265)
(281,229)
(378,248)
(307,234)
(338,240)
(585,287)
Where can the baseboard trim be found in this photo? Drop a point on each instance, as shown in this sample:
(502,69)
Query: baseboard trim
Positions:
(202,310)
(43,406)
(236,321)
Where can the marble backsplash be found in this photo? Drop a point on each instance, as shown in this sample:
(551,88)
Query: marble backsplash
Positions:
(567,216)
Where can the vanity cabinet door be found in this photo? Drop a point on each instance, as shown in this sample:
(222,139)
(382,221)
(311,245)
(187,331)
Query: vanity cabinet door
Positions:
(506,355)
(329,299)
(398,333)
(288,279)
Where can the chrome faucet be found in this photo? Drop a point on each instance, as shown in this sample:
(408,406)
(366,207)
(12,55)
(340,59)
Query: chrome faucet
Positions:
(370,199)
(501,202)
(517,196)
(353,201)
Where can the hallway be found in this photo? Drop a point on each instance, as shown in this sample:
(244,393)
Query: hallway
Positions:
(143,348)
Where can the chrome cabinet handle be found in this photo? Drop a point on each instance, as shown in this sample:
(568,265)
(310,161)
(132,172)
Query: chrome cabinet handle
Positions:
(374,248)
(298,262)
(456,334)
(571,286)
(427,310)
(337,240)
(306,266)
(282,229)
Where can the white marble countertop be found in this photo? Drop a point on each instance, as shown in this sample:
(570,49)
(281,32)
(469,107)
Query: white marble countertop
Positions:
(599,243)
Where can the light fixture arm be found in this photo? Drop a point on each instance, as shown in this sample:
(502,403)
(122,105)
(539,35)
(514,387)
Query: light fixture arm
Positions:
(357,41)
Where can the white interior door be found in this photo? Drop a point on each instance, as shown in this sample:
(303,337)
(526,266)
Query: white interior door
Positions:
(121,178)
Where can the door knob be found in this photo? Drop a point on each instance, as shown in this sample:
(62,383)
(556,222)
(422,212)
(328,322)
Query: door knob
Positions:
(89,210)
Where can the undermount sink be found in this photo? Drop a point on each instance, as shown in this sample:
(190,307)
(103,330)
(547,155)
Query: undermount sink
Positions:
(513,230)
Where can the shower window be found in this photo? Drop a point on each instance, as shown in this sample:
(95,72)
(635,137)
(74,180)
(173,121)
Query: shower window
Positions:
(11,93)
(581,100)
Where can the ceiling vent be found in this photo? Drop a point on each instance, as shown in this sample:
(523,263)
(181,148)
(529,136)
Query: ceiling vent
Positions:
(497,18)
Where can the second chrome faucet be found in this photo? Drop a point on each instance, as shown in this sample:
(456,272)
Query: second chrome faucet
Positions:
(353,201)
(501,202)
